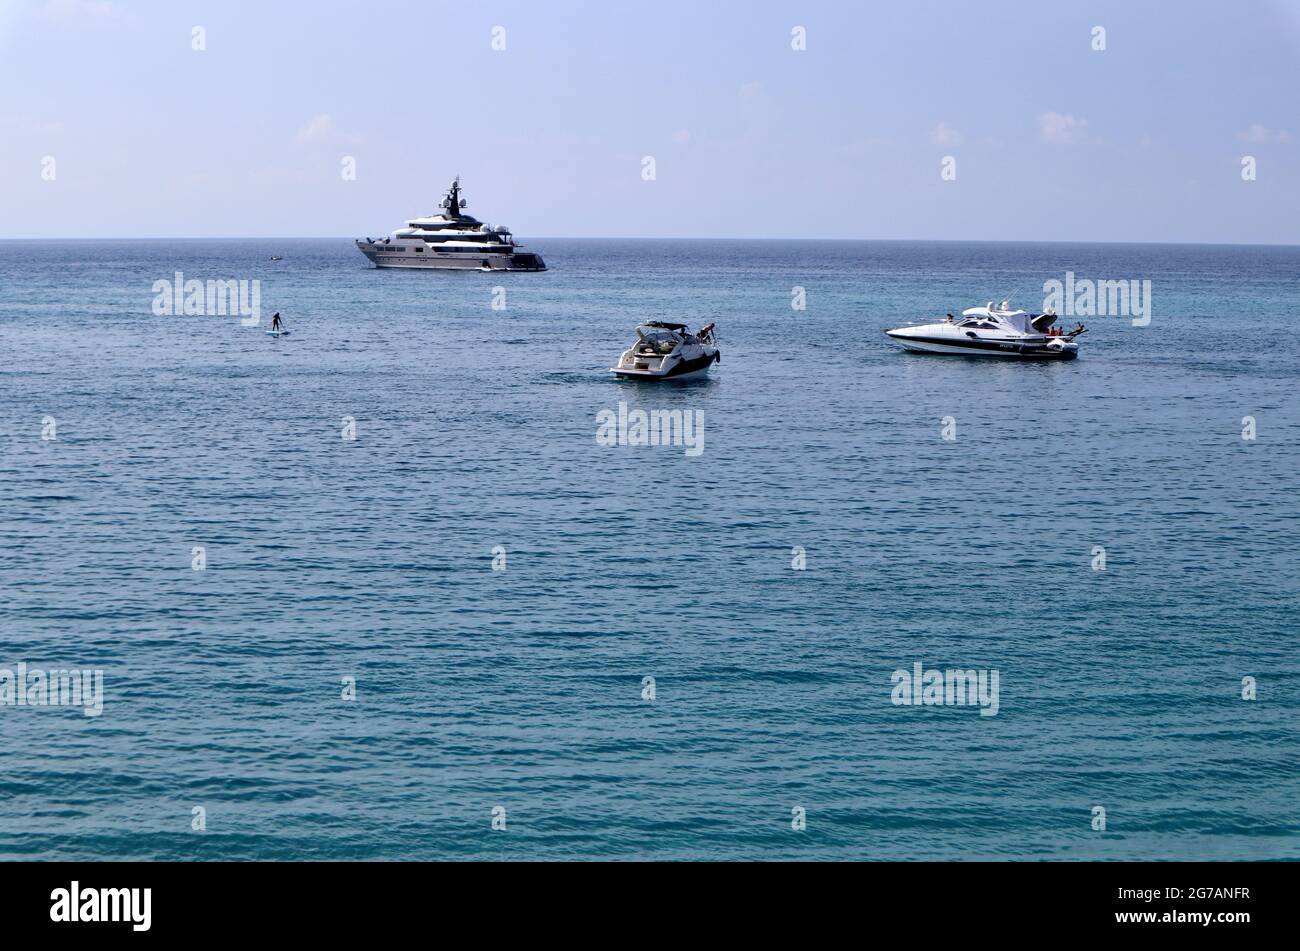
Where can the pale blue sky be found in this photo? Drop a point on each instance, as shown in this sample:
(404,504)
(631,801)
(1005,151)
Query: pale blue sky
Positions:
(1052,140)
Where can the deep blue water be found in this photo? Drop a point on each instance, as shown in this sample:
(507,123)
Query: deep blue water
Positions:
(522,688)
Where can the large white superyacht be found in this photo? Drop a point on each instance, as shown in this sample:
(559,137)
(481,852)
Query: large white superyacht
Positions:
(451,240)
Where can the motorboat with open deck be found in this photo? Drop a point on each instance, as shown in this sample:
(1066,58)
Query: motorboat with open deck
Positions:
(990,331)
(665,351)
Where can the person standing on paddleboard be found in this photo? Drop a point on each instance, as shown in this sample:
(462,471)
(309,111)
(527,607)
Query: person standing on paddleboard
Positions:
(275,321)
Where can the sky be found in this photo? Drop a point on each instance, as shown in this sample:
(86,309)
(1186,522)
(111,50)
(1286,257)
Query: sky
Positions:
(112,123)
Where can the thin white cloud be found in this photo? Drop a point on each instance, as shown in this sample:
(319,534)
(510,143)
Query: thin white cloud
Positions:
(945,136)
(319,129)
(80,14)
(1059,129)
(1259,133)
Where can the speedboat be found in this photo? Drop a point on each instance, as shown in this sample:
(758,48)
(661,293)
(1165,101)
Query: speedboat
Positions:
(990,331)
(664,351)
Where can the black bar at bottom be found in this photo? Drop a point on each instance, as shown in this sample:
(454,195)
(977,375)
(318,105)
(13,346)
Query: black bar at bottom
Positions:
(336,900)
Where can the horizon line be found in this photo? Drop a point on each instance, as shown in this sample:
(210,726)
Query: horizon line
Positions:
(556,237)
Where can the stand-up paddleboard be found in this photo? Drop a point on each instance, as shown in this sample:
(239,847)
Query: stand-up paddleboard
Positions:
(277,333)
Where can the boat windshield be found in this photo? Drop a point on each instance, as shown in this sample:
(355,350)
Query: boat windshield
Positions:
(1017,322)
(661,341)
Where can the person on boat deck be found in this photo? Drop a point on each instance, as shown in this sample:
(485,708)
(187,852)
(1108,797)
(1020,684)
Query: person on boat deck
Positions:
(275,321)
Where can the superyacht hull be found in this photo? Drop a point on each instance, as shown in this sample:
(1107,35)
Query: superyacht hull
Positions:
(434,260)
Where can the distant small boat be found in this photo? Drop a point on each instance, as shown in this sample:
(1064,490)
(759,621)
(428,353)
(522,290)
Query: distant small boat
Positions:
(277,257)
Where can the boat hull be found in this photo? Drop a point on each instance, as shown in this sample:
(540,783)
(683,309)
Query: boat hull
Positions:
(1005,349)
(430,259)
(686,370)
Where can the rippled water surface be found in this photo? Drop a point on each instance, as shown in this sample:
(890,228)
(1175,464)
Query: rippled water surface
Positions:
(522,688)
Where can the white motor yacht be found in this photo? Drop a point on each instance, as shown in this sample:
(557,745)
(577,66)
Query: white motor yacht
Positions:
(665,351)
(451,240)
(990,331)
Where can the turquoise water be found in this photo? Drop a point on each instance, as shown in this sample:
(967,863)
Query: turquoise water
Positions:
(522,689)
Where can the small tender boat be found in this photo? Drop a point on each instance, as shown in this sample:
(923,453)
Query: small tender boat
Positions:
(989,331)
(665,351)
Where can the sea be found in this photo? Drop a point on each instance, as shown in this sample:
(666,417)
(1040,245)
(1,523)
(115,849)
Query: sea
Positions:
(377,590)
